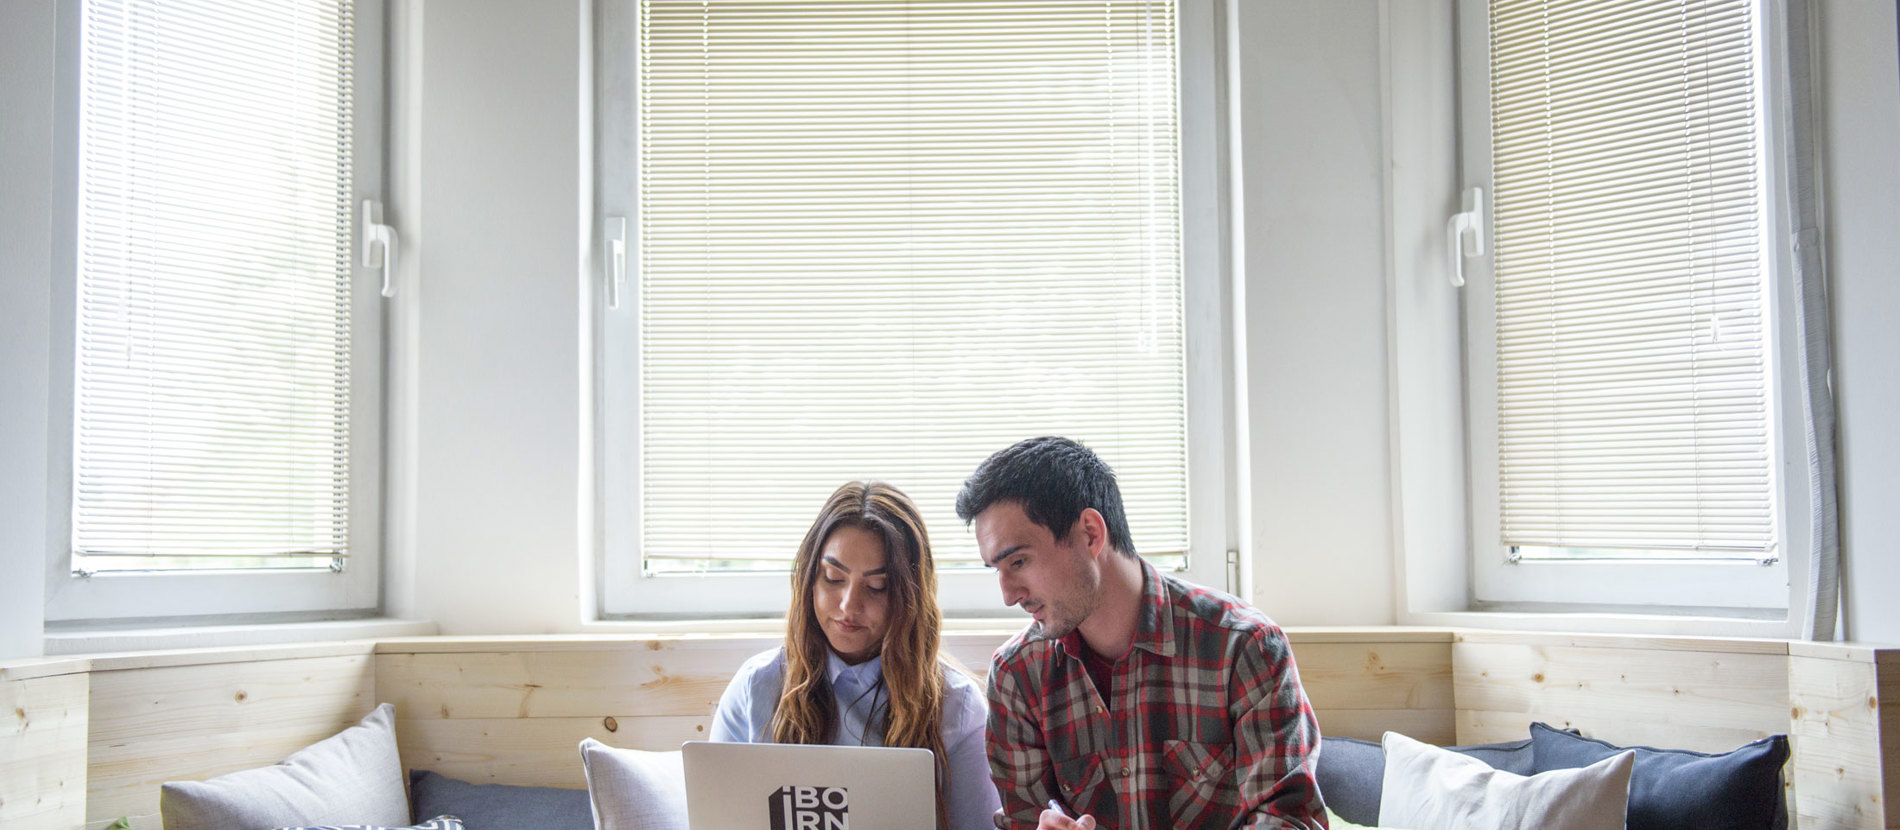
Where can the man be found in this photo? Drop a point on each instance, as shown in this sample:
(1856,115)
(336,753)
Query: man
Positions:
(1134,700)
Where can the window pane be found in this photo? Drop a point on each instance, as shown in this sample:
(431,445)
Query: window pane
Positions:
(213,371)
(1632,329)
(885,239)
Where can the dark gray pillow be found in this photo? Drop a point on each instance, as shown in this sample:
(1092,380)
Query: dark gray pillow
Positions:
(1675,788)
(500,806)
(1351,772)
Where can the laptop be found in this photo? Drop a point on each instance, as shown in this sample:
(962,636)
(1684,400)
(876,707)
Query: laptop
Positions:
(732,786)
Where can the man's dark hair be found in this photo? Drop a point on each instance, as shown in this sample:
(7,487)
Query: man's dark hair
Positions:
(1053,479)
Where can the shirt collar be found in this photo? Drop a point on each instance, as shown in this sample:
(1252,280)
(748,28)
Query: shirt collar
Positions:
(861,674)
(1154,623)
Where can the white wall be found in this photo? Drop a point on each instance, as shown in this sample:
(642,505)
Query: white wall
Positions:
(1861,181)
(26,247)
(497,166)
(1311,149)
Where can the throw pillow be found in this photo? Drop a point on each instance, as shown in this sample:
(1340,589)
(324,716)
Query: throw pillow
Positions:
(352,777)
(500,805)
(437,823)
(1428,788)
(1673,788)
(1351,772)
(633,789)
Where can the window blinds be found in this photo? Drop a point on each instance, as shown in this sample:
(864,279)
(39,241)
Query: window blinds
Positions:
(886,239)
(212,356)
(1633,391)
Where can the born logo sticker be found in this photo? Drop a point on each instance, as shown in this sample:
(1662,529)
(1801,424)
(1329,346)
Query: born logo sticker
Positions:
(811,808)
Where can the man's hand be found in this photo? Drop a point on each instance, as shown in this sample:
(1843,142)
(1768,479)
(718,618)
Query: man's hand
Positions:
(1055,820)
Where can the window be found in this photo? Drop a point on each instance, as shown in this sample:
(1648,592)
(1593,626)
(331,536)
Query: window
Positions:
(1630,387)
(883,240)
(224,421)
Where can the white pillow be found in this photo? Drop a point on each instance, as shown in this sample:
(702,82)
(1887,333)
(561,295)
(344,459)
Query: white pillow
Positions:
(1429,788)
(633,789)
(352,777)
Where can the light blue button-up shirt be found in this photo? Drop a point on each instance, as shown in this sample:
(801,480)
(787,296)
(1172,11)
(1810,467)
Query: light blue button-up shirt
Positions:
(745,716)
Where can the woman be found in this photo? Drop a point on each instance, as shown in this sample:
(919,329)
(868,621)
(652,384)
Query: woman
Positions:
(860,663)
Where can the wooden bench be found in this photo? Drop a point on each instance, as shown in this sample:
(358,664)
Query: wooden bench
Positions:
(86,740)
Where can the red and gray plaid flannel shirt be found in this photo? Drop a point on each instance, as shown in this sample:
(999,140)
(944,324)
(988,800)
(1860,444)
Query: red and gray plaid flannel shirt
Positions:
(1206,724)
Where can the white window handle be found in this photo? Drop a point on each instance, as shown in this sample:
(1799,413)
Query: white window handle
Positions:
(617,250)
(1464,234)
(376,232)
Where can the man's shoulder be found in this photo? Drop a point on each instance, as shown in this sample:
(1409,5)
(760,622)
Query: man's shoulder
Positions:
(1025,648)
(1203,612)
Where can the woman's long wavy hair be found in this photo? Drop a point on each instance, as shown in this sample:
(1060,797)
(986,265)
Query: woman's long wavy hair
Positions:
(913,678)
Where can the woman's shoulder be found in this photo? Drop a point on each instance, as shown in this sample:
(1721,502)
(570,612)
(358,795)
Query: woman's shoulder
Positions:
(958,684)
(767,668)
(965,710)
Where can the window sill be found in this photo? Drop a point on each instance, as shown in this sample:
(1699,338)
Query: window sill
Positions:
(104,639)
(775,626)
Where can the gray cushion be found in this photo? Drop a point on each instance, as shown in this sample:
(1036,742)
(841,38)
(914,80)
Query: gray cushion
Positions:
(500,806)
(1351,772)
(1673,788)
(352,777)
(634,789)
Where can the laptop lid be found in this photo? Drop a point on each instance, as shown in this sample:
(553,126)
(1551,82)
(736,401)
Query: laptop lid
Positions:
(733,786)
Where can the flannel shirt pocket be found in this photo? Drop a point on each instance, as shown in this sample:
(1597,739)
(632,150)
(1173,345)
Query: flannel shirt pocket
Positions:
(1198,773)
(1079,781)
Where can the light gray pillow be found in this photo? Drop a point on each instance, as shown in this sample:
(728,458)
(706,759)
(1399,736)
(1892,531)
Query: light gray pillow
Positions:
(1431,788)
(634,789)
(352,777)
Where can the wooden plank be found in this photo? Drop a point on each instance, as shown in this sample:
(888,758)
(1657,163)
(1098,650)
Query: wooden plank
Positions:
(1886,662)
(192,722)
(1704,699)
(27,668)
(1639,642)
(542,752)
(751,643)
(1859,652)
(556,684)
(1381,676)
(1433,726)
(1366,634)
(1835,728)
(43,752)
(240,654)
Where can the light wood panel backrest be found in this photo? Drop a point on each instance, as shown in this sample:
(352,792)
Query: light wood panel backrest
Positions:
(511,710)
(1364,682)
(42,750)
(1704,694)
(195,715)
(84,741)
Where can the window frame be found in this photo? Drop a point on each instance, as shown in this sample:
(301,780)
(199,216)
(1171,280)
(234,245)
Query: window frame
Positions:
(623,592)
(137,596)
(1732,588)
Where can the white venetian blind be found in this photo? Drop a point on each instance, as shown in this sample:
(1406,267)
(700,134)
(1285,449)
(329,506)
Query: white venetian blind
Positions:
(1633,391)
(212,371)
(886,239)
